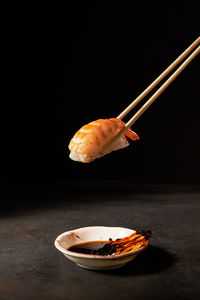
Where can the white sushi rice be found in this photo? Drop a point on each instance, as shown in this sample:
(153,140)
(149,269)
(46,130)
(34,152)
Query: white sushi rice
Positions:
(86,158)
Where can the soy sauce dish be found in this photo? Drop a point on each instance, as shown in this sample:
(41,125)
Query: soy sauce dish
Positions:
(68,241)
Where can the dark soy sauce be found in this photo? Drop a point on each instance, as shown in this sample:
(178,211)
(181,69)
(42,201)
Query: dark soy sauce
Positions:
(88,247)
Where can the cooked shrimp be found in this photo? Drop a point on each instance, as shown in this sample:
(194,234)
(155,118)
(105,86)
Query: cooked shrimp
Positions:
(88,142)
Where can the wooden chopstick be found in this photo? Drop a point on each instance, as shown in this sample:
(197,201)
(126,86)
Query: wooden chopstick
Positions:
(159,78)
(154,96)
(162,88)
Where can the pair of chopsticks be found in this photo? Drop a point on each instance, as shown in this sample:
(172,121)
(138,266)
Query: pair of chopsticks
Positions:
(160,90)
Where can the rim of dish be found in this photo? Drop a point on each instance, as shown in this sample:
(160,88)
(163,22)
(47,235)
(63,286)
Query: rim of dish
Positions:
(92,256)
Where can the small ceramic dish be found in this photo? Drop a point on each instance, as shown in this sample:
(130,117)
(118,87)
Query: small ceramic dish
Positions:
(95,233)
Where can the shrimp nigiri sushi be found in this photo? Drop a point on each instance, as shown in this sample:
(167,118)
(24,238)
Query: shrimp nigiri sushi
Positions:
(89,141)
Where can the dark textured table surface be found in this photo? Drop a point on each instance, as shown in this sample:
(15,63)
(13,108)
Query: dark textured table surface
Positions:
(33,216)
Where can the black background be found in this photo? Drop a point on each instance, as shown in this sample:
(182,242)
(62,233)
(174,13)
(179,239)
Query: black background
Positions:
(66,67)
(63,67)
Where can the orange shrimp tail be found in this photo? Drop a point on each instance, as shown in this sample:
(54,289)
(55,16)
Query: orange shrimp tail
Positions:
(131,134)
